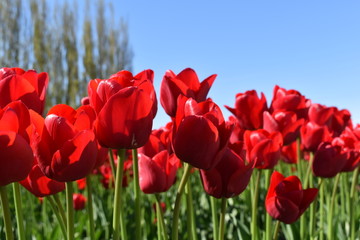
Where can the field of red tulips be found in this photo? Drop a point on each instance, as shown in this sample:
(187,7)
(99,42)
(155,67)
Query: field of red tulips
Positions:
(281,169)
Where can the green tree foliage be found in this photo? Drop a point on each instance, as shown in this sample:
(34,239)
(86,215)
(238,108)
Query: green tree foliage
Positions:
(73,48)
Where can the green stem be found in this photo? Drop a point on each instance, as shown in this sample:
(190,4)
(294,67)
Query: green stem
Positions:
(60,207)
(213,203)
(276,231)
(57,214)
(160,217)
(255,206)
(307,176)
(90,207)
(6,213)
(159,232)
(312,213)
(117,213)
(331,210)
(180,191)
(222,219)
(298,155)
(70,211)
(112,163)
(322,210)
(351,203)
(18,211)
(190,210)
(137,195)
(268,219)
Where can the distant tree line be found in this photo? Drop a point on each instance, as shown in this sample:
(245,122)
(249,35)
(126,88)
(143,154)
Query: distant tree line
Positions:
(49,36)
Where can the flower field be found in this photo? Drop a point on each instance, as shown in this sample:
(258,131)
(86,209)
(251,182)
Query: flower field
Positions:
(284,168)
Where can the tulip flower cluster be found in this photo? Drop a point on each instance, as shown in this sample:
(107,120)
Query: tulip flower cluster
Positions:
(268,161)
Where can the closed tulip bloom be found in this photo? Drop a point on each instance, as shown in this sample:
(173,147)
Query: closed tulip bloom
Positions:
(16,155)
(312,135)
(200,133)
(286,201)
(67,150)
(229,177)
(289,153)
(263,147)
(329,160)
(284,122)
(290,100)
(126,106)
(249,109)
(27,86)
(157,174)
(350,144)
(79,201)
(186,83)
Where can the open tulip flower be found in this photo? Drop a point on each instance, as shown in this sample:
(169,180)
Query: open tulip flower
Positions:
(126,106)
(16,155)
(27,86)
(67,149)
(200,133)
(186,83)
(249,109)
(286,201)
(229,177)
(263,147)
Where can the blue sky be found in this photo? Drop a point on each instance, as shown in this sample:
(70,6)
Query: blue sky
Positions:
(310,46)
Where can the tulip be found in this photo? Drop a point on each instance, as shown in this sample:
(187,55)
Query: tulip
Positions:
(263,148)
(350,144)
(200,134)
(249,109)
(79,201)
(289,153)
(126,106)
(229,177)
(15,152)
(284,122)
(312,135)
(286,201)
(67,149)
(157,174)
(289,100)
(27,86)
(186,83)
(329,160)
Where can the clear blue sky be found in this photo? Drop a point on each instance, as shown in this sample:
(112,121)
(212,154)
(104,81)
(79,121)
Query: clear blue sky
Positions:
(310,46)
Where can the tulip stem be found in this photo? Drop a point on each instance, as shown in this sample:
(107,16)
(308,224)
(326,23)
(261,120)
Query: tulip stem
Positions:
(268,217)
(57,214)
(298,155)
(180,191)
(160,217)
(60,207)
(137,195)
(213,203)
(351,203)
(222,219)
(112,163)
(18,211)
(276,231)
(322,208)
(70,211)
(117,213)
(307,176)
(6,213)
(190,211)
(90,207)
(331,209)
(254,207)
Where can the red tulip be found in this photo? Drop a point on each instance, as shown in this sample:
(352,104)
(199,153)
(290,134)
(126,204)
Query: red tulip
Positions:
(126,106)
(79,201)
(290,100)
(67,149)
(284,122)
(15,152)
(312,135)
(286,201)
(186,83)
(200,133)
(229,177)
(157,174)
(263,148)
(329,160)
(249,109)
(27,86)
(350,144)
(289,153)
